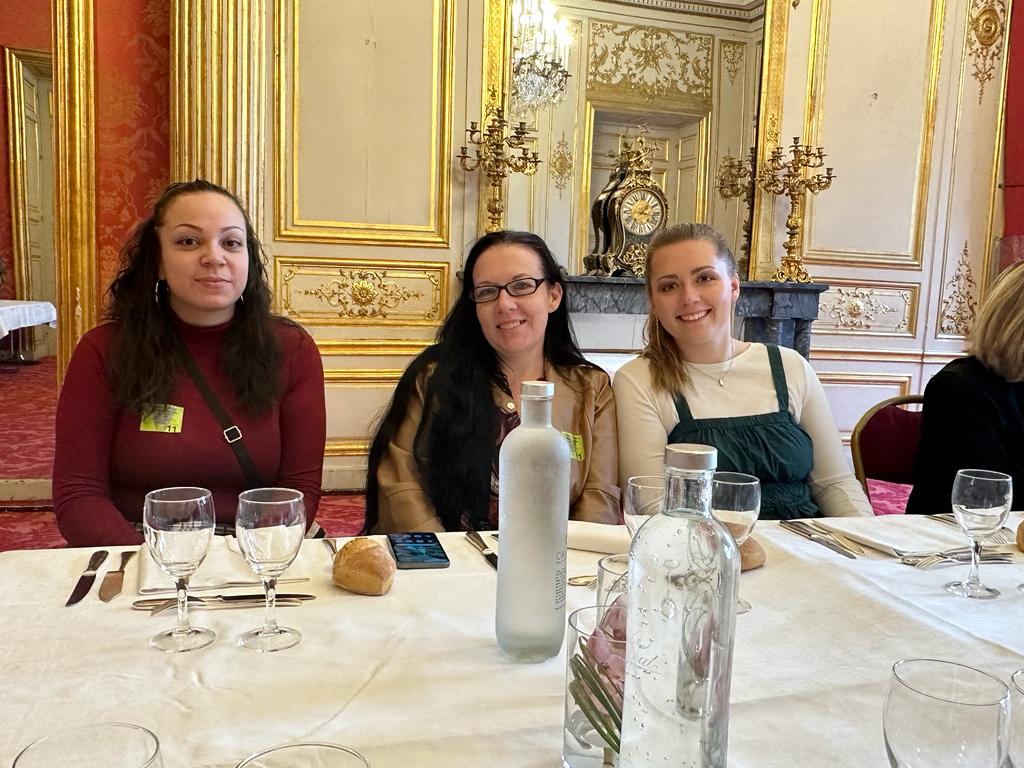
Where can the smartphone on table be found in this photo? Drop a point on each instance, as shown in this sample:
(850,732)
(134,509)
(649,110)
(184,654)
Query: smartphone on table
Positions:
(417,550)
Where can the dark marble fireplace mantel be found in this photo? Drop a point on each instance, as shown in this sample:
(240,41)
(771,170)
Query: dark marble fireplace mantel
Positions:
(773,313)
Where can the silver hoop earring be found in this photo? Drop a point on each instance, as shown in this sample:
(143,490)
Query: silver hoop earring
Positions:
(156,293)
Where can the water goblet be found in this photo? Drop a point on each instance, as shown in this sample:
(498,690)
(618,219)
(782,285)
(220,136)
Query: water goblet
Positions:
(645,496)
(939,714)
(981,503)
(178,525)
(113,745)
(1017,718)
(270,525)
(308,755)
(736,504)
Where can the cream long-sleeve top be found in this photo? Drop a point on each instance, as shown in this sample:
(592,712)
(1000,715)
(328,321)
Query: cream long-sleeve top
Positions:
(646,417)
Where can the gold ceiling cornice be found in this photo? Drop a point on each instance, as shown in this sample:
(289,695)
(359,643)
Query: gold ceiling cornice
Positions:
(741,11)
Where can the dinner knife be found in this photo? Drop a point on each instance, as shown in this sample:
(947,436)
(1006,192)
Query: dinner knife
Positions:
(477,541)
(86,579)
(114,580)
(808,533)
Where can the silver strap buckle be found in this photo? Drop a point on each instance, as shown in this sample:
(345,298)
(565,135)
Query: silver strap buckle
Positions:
(232,434)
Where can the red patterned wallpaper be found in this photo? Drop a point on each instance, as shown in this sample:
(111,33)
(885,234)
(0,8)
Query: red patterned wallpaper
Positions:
(26,24)
(132,119)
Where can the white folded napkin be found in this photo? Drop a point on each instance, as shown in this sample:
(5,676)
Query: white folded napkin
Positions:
(598,537)
(223,568)
(902,533)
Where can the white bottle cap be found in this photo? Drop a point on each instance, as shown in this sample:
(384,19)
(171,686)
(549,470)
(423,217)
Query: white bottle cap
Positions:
(537,390)
(691,456)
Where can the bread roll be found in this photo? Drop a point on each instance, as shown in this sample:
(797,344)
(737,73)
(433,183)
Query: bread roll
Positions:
(751,552)
(364,566)
(1020,537)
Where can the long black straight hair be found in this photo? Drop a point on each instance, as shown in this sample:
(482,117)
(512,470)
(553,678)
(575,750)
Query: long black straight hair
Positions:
(146,354)
(460,420)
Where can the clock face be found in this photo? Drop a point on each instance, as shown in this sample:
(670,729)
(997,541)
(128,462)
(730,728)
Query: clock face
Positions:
(642,212)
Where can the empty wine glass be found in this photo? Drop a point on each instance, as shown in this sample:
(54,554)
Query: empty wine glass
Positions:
(270,525)
(112,745)
(981,503)
(1017,718)
(944,715)
(311,755)
(736,504)
(178,526)
(645,495)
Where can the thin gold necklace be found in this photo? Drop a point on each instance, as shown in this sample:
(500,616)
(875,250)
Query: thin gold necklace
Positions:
(732,359)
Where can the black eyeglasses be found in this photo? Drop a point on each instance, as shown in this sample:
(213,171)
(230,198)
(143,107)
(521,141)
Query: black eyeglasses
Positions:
(522,286)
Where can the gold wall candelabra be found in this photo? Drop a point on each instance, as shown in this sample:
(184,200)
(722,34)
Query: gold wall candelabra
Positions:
(498,152)
(780,176)
(735,179)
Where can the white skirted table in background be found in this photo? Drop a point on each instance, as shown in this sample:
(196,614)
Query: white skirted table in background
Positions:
(23,314)
(415,678)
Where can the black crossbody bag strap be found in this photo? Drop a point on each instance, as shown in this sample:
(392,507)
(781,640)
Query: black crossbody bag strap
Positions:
(232,434)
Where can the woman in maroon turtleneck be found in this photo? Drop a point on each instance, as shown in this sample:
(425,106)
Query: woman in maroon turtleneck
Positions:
(130,418)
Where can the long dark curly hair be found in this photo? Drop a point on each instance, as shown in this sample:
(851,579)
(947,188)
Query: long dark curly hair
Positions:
(146,354)
(460,420)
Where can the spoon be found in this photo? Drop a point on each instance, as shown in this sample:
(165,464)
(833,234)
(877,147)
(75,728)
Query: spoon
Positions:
(583,581)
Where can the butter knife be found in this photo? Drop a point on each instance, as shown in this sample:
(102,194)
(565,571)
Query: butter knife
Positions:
(809,533)
(114,580)
(157,604)
(477,541)
(86,580)
(845,541)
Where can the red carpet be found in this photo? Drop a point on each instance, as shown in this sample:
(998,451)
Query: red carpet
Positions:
(31,525)
(28,402)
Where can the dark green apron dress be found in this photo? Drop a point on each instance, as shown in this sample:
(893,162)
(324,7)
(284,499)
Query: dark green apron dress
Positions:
(770,446)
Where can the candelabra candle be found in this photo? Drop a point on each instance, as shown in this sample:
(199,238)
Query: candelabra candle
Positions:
(492,153)
(782,176)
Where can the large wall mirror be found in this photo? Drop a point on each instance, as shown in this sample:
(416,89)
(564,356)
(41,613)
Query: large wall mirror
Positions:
(689,72)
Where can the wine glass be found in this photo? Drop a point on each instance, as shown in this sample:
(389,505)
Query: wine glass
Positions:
(270,525)
(1017,718)
(115,745)
(981,503)
(178,526)
(310,755)
(944,715)
(736,504)
(645,496)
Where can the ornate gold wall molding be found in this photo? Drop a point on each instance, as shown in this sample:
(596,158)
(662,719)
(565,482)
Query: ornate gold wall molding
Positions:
(865,379)
(17,60)
(773,82)
(750,11)
(869,308)
(290,223)
(218,95)
(561,165)
(356,446)
(74,161)
(860,354)
(639,63)
(985,40)
(733,56)
(347,292)
(363,377)
(372,347)
(959,305)
(815,104)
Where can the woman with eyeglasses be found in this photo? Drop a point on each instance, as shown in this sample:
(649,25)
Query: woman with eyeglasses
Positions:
(433,463)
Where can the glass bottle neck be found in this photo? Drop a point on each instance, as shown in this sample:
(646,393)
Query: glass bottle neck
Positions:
(536,412)
(688,491)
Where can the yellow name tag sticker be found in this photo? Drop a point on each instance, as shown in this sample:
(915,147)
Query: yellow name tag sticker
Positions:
(163,418)
(575,445)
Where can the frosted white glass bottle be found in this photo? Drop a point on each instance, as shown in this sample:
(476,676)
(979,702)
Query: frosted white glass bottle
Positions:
(683,575)
(533,514)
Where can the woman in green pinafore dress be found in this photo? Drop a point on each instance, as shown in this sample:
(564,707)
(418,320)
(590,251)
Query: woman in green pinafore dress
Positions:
(761,406)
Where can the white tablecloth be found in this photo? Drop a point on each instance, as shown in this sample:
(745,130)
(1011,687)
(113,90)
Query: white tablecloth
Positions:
(415,678)
(22,314)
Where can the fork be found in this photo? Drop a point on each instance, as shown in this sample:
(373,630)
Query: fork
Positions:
(930,561)
(332,546)
(1002,536)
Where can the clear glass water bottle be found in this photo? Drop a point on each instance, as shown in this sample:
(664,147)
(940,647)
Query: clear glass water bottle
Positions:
(683,576)
(533,515)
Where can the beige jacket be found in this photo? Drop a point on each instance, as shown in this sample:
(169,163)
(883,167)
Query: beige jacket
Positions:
(583,406)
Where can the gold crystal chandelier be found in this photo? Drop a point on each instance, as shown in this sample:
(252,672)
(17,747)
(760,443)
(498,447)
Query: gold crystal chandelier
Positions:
(540,55)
